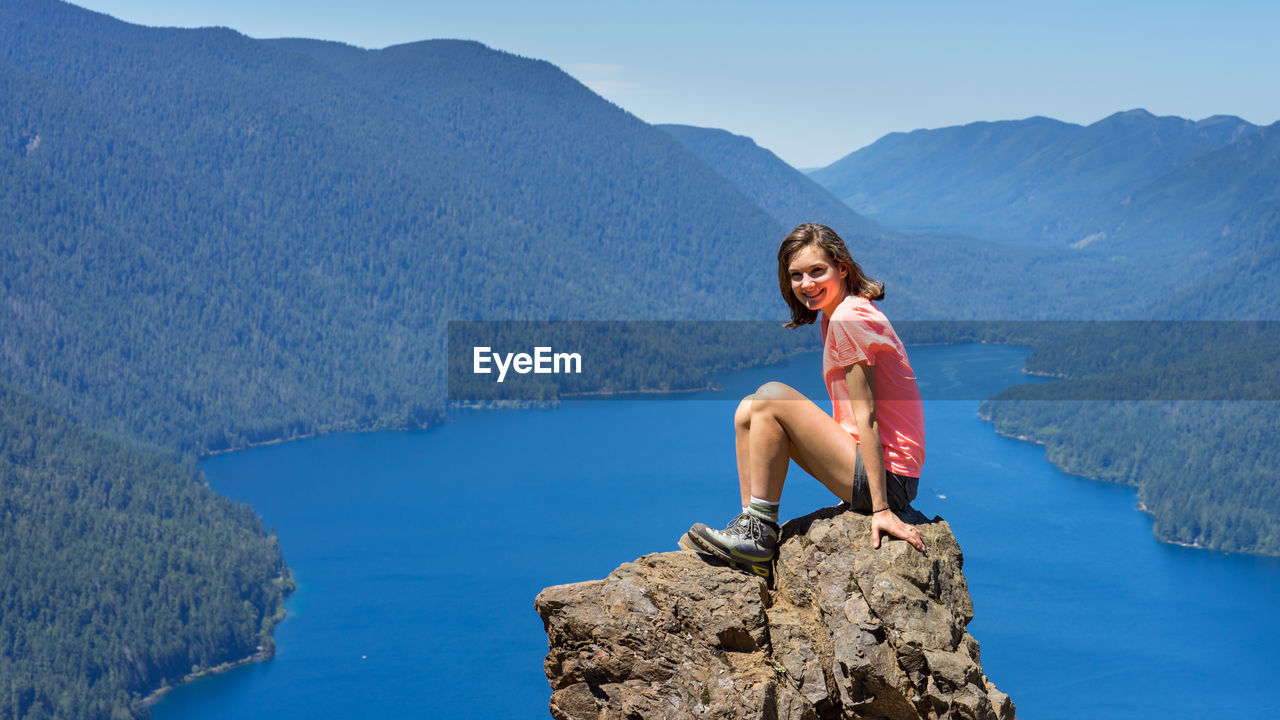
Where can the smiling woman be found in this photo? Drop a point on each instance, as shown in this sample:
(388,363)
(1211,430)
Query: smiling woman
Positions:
(868,453)
(815,280)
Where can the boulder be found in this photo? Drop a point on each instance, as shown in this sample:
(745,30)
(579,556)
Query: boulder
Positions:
(848,632)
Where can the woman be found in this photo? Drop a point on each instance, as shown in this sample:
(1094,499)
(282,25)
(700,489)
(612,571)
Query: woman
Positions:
(870,453)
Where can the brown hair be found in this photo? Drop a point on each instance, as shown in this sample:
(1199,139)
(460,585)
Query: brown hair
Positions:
(825,239)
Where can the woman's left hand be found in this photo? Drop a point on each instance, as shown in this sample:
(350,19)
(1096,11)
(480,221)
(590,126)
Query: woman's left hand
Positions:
(888,523)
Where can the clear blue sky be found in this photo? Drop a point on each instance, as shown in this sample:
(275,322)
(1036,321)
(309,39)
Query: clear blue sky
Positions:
(813,81)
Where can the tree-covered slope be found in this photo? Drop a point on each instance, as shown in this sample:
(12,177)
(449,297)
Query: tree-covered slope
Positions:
(1186,410)
(221,241)
(1205,470)
(1030,181)
(122,571)
(1245,289)
(1219,205)
(913,181)
(787,194)
(929,275)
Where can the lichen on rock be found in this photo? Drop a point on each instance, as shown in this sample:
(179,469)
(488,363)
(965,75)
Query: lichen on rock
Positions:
(848,632)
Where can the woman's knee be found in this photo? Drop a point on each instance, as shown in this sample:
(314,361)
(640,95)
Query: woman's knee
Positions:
(771,392)
(770,395)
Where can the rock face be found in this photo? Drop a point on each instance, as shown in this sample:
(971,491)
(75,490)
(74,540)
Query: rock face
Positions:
(848,632)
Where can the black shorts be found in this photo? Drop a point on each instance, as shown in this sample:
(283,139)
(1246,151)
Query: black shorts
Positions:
(900,489)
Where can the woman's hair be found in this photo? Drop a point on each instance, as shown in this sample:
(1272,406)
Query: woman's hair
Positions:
(829,242)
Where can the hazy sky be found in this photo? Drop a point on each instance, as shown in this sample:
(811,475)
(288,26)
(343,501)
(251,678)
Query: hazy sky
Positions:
(813,81)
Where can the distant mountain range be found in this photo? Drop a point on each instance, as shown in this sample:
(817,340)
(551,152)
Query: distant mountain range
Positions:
(1176,203)
(936,275)
(1037,180)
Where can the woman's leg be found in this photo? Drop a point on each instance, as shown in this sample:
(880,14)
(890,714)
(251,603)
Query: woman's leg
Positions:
(785,425)
(742,444)
(771,427)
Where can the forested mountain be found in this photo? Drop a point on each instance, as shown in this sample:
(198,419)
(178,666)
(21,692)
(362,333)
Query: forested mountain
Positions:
(230,240)
(903,178)
(121,571)
(929,275)
(1220,204)
(1029,181)
(1244,289)
(1205,470)
(787,194)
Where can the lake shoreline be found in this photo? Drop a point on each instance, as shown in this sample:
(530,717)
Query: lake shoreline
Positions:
(1141,506)
(260,655)
(264,651)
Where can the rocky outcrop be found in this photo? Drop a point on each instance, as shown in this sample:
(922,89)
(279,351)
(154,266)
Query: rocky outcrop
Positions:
(848,632)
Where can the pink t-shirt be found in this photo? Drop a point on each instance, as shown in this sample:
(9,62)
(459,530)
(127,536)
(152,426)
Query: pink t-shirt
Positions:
(858,333)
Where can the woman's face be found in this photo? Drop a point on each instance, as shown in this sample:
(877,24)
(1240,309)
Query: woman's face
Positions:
(816,281)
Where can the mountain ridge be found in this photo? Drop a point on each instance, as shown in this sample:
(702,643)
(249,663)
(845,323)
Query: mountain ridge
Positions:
(411,171)
(989,178)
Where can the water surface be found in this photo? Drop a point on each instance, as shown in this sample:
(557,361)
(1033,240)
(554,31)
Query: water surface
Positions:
(418,555)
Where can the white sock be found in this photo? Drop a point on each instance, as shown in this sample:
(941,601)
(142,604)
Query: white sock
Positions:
(764,509)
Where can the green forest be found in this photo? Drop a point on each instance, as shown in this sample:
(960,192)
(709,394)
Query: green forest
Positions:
(1185,411)
(122,570)
(1204,469)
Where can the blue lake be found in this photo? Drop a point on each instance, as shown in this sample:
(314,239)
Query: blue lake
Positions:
(418,555)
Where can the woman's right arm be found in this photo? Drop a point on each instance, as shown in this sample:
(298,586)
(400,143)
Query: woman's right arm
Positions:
(861,379)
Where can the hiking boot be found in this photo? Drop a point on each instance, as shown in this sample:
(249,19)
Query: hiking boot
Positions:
(747,542)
